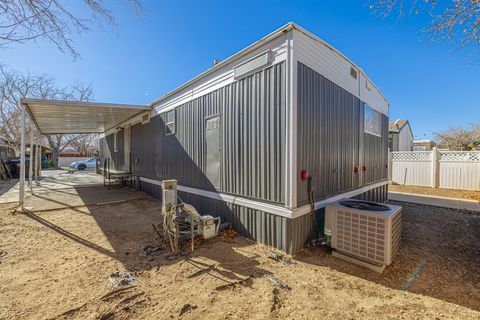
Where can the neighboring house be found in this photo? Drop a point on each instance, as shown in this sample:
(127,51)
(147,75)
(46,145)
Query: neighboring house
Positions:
(69,152)
(423,145)
(400,136)
(243,138)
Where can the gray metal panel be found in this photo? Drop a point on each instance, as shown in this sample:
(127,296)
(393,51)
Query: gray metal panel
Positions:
(213,150)
(331,141)
(107,151)
(252,116)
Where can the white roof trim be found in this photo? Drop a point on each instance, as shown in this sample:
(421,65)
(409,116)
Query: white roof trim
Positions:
(326,44)
(59,116)
(289,26)
(236,56)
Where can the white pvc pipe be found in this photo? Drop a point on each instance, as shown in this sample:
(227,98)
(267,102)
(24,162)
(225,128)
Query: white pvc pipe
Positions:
(21,196)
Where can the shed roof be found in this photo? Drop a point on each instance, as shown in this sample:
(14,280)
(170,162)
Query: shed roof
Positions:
(59,116)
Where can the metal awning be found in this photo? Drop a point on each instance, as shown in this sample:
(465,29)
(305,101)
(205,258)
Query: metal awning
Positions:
(61,117)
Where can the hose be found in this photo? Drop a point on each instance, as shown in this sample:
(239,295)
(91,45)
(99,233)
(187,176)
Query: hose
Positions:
(312,205)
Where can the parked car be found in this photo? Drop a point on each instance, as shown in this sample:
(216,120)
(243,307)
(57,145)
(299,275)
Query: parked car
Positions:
(84,164)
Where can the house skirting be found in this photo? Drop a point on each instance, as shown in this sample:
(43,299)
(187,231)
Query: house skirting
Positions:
(269,224)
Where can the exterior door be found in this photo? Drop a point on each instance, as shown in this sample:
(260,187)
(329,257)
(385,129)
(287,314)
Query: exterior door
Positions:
(213,150)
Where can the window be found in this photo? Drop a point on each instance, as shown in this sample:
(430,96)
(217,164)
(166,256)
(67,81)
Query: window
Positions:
(170,122)
(115,142)
(372,121)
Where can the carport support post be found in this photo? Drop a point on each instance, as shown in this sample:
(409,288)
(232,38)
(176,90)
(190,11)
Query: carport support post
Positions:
(21,194)
(38,159)
(31,161)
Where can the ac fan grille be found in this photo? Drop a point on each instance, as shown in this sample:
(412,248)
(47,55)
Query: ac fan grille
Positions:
(361,235)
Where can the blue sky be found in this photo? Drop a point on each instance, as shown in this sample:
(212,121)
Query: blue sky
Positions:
(149,55)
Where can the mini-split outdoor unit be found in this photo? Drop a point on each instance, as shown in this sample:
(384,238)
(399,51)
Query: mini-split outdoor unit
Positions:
(363,232)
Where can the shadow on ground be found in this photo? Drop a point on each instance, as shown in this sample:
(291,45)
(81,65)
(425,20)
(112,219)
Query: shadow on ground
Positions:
(446,241)
(117,223)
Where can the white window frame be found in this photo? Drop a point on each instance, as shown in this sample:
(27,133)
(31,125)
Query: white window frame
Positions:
(377,121)
(170,123)
(115,149)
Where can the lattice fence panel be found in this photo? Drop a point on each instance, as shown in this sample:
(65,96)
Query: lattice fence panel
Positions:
(412,156)
(473,156)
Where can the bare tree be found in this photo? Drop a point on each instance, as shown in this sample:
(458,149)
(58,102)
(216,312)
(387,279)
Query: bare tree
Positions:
(14,86)
(454,21)
(85,145)
(77,92)
(458,138)
(53,20)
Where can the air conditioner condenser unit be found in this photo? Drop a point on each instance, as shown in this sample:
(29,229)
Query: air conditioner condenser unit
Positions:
(363,232)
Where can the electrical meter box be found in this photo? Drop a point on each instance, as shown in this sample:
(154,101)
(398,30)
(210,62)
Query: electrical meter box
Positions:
(169,194)
(208,228)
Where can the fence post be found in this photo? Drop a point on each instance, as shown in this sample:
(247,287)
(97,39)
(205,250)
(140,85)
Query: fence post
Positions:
(390,167)
(435,167)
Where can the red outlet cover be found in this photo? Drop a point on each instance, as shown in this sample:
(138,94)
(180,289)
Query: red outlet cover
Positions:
(303,175)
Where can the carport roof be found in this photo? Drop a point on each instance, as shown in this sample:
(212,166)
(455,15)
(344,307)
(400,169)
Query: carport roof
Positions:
(58,116)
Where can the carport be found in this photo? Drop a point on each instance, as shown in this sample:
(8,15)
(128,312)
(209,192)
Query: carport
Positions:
(68,117)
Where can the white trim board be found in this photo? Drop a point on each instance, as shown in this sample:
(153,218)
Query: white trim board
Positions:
(298,212)
(268,207)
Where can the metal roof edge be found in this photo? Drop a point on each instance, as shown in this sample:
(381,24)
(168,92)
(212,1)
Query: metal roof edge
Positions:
(287,27)
(273,35)
(28,101)
(316,38)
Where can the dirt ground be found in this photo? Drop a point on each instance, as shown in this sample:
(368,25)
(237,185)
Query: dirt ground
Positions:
(449,193)
(56,265)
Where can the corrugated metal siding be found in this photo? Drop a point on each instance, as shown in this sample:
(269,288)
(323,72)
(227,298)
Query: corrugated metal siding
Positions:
(331,141)
(288,235)
(260,226)
(107,151)
(252,113)
(379,194)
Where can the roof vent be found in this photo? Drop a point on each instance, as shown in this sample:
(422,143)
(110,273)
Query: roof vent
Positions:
(145,118)
(353,73)
(216,61)
(368,85)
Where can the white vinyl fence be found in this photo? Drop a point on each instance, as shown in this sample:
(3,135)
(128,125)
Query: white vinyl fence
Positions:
(436,169)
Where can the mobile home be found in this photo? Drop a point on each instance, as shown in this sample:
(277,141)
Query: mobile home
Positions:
(282,127)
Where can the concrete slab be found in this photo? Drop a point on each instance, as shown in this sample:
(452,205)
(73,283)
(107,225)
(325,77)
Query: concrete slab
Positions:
(59,189)
(50,180)
(80,196)
(445,202)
